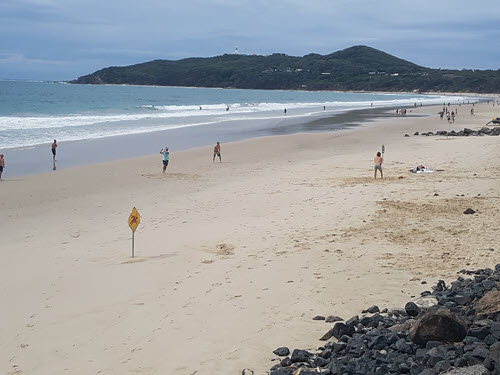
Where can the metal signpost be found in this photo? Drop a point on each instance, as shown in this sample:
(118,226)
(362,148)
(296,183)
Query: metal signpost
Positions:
(383,150)
(133,222)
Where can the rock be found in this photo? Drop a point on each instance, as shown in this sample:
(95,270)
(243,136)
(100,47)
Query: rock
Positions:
(300,355)
(416,133)
(282,351)
(469,211)
(479,332)
(489,304)
(372,310)
(340,329)
(247,372)
(353,321)
(412,309)
(471,370)
(468,131)
(438,325)
(281,371)
(285,362)
(407,135)
(464,299)
(327,336)
(319,317)
(495,352)
(333,318)
(426,302)
(442,366)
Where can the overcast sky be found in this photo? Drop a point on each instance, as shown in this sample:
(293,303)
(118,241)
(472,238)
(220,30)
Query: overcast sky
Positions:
(64,39)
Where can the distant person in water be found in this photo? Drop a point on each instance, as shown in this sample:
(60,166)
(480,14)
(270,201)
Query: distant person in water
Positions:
(217,152)
(284,111)
(2,165)
(378,165)
(227,108)
(54,146)
(165,158)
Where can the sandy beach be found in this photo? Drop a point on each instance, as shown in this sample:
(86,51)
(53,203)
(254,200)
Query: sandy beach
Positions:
(234,259)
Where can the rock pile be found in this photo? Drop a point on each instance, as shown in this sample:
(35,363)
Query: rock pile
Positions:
(466,132)
(453,329)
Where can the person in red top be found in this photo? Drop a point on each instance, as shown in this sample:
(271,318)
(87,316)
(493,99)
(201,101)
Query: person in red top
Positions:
(217,152)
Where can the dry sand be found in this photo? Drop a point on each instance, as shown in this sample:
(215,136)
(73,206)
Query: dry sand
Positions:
(234,259)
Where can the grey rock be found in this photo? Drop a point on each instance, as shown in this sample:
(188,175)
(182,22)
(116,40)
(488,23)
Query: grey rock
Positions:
(333,318)
(469,211)
(281,351)
(495,352)
(319,317)
(471,370)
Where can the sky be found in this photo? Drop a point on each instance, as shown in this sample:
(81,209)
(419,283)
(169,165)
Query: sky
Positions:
(65,39)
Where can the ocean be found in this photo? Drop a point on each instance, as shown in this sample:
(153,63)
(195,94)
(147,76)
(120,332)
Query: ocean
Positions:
(32,114)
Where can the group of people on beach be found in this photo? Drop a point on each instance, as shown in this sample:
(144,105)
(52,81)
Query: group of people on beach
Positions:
(166,155)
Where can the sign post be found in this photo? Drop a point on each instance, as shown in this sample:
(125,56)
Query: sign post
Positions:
(383,150)
(133,222)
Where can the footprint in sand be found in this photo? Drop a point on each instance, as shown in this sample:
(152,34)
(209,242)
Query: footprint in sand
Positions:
(224,249)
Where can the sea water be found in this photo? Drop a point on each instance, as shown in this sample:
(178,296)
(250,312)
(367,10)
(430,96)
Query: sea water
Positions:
(34,113)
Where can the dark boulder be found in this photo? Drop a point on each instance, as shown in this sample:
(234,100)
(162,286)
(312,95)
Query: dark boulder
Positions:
(340,329)
(438,325)
(282,351)
(412,309)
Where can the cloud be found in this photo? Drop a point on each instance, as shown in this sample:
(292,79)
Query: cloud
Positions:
(119,32)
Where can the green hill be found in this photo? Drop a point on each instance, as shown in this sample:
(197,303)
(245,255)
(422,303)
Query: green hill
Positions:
(354,68)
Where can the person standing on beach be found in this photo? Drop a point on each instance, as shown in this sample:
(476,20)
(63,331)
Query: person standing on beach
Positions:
(217,152)
(378,165)
(165,158)
(54,146)
(2,165)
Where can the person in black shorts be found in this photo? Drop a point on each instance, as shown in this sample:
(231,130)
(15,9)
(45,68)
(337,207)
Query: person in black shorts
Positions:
(54,146)
(217,152)
(2,165)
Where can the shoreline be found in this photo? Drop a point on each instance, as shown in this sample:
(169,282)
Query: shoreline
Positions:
(234,259)
(26,161)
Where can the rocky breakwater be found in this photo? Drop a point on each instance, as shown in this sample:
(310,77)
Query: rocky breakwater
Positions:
(453,329)
(464,133)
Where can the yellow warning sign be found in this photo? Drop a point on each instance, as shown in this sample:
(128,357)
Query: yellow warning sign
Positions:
(134,219)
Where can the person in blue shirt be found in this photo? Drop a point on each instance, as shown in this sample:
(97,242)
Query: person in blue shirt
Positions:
(165,158)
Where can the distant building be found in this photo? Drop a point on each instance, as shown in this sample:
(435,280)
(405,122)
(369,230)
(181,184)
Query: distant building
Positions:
(236,51)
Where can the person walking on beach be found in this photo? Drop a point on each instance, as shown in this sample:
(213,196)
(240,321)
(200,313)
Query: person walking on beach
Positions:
(165,158)
(217,152)
(378,165)
(54,146)
(2,165)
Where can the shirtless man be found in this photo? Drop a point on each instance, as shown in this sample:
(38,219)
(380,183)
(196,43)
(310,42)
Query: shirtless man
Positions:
(217,152)
(378,165)
(2,165)
(166,156)
(54,146)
